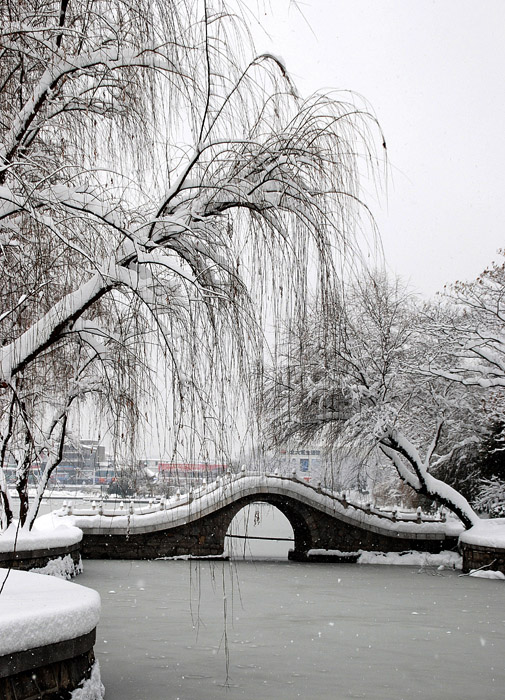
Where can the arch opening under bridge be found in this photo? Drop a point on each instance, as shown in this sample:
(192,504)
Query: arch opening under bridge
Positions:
(259,530)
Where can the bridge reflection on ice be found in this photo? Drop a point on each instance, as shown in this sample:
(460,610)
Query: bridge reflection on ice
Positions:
(259,531)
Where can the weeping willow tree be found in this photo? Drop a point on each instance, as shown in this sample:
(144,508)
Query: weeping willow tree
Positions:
(160,184)
(371,378)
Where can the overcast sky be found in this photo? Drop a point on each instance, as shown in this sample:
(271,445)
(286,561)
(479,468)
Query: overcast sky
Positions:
(433,72)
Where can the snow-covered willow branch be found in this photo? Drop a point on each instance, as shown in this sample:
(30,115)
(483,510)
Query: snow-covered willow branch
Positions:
(154,173)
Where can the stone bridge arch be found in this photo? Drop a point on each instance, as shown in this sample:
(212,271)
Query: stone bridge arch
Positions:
(198,526)
(205,536)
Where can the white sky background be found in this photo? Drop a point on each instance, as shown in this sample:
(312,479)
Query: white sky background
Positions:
(433,73)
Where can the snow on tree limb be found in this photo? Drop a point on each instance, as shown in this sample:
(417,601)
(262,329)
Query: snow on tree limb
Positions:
(353,375)
(49,329)
(153,173)
(395,445)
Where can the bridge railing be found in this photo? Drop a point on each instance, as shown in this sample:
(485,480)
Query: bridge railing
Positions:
(226,481)
(393,514)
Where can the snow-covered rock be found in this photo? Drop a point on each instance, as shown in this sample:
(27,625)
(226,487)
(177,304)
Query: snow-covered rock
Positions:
(487,573)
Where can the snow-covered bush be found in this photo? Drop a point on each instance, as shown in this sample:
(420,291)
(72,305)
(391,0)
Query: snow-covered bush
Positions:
(491,497)
(62,567)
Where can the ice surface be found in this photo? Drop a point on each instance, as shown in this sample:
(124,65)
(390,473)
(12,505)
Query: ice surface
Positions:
(295,630)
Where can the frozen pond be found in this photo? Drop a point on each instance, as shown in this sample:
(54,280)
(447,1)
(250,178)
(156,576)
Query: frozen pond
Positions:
(276,630)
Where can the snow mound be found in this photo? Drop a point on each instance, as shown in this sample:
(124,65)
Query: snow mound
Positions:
(38,610)
(92,688)
(332,553)
(487,533)
(45,534)
(448,560)
(62,567)
(479,573)
(190,557)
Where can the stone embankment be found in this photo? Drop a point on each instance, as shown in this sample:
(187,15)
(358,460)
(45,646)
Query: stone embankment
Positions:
(42,548)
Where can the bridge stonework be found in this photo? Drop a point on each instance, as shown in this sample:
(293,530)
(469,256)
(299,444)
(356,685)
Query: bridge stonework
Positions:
(314,529)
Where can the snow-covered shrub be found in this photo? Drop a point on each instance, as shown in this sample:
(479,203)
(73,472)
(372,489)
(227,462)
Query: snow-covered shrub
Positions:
(62,567)
(491,497)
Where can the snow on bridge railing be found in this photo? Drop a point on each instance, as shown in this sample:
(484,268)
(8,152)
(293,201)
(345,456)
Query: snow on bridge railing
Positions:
(227,479)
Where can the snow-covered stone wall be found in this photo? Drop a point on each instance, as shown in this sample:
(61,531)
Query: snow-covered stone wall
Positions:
(37,548)
(47,633)
(483,546)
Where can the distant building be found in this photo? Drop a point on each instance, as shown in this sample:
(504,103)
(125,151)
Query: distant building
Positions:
(85,462)
(305,460)
(186,473)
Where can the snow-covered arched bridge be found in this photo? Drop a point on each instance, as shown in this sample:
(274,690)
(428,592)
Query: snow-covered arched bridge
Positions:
(196,523)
